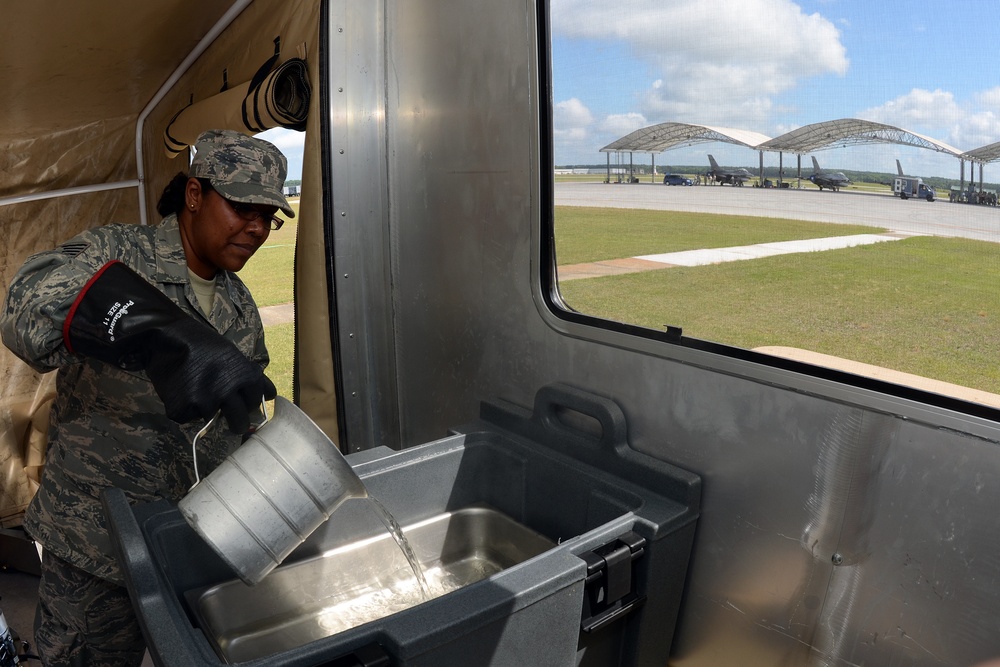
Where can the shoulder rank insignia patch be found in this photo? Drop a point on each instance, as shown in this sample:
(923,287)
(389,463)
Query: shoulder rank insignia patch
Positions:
(74,248)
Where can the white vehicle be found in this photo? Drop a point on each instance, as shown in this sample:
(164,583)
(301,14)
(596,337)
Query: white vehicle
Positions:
(906,187)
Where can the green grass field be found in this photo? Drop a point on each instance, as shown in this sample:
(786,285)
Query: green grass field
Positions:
(594,234)
(924,305)
(280,341)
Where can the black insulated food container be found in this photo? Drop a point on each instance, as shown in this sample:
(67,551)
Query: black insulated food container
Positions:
(581,543)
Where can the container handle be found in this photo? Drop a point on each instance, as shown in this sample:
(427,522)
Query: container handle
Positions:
(204,429)
(552,399)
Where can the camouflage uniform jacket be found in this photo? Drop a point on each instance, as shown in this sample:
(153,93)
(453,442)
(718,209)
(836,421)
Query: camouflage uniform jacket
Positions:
(107,427)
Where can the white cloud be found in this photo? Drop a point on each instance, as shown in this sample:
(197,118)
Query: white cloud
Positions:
(714,66)
(975,130)
(939,115)
(917,109)
(571,113)
(572,128)
(576,132)
(618,125)
(988,98)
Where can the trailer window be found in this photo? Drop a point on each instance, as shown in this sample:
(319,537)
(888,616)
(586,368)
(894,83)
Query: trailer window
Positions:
(768,178)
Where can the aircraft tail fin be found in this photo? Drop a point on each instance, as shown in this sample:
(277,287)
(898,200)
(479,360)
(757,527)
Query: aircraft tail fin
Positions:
(816,164)
(711,161)
(899,168)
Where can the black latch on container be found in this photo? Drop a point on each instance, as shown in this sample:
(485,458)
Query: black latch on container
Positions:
(610,586)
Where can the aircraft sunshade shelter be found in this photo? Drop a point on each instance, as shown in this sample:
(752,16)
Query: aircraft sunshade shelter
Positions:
(850,132)
(658,138)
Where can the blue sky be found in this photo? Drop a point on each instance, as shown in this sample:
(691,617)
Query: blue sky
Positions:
(771,66)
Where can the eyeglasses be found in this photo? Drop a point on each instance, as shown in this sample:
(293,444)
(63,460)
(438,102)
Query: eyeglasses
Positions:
(249,213)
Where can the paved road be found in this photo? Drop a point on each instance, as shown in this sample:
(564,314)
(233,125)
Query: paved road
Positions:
(939,218)
(281,314)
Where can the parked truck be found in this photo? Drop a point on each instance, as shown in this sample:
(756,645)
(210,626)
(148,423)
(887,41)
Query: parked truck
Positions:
(911,186)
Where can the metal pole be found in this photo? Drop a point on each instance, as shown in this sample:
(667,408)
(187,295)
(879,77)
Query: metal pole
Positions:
(68,192)
(206,41)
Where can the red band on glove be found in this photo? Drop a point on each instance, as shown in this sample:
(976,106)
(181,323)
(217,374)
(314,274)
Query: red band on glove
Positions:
(79,298)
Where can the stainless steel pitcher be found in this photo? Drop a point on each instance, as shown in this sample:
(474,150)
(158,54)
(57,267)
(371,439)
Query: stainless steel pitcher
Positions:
(269,495)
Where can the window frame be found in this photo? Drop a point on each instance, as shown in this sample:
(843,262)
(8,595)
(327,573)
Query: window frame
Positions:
(671,343)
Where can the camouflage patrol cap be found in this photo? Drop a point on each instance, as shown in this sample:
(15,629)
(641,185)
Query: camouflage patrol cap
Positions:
(242,168)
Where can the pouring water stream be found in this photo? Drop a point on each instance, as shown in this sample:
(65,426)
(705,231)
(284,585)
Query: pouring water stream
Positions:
(397,534)
(387,519)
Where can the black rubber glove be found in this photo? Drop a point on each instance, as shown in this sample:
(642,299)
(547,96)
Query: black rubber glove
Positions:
(122,319)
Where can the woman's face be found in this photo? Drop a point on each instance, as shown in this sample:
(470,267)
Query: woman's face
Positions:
(215,236)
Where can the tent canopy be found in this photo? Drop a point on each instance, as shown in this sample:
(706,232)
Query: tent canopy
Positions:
(94,68)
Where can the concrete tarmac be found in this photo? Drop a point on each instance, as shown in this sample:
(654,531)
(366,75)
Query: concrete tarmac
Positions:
(912,216)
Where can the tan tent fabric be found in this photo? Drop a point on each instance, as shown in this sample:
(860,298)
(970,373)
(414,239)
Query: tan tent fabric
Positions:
(23,443)
(96,152)
(279,99)
(316,390)
(86,154)
(222,111)
(82,81)
(65,65)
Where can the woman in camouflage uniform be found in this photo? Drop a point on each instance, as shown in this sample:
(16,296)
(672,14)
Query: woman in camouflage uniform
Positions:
(152,333)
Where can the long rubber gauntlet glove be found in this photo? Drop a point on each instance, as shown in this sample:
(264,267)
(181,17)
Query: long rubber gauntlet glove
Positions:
(122,319)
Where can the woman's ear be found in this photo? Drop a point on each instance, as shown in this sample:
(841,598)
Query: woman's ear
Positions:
(193,195)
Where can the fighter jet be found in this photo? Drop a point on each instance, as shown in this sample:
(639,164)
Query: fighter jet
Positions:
(834,180)
(732,176)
